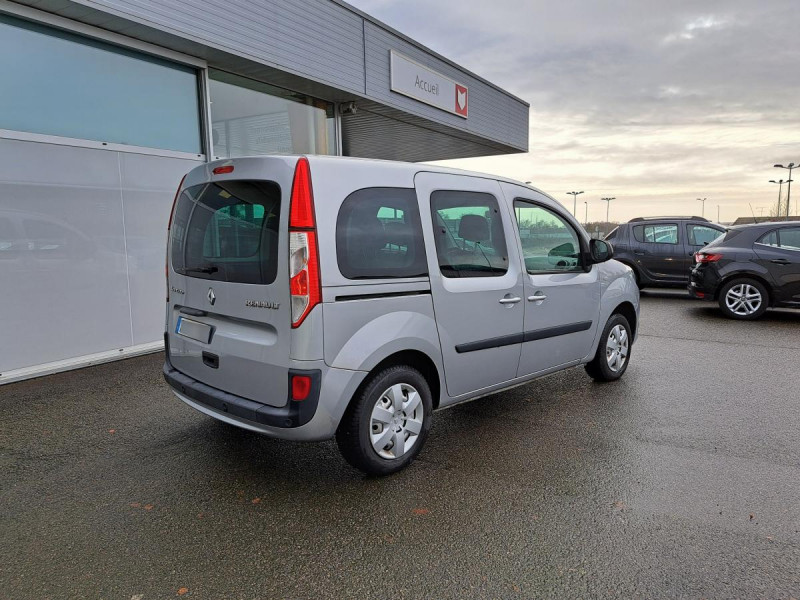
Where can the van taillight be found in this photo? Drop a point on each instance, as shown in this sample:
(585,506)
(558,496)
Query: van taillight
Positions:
(304,281)
(169,226)
(301,387)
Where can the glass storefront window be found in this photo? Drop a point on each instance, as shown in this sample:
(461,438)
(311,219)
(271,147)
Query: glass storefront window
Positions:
(249,117)
(59,83)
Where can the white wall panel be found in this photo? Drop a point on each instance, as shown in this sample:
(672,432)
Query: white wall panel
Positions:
(64,270)
(148,187)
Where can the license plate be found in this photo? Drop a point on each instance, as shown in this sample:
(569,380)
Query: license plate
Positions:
(194,330)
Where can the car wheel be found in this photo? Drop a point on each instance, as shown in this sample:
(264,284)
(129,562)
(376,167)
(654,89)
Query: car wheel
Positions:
(387,423)
(745,299)
(613,352)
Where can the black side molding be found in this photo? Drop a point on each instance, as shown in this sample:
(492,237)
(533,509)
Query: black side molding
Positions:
(527,336)
(346,297)
(293,414)
(548,332)
(503,340)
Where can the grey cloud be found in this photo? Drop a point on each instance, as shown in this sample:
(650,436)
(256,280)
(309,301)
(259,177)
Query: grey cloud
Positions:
(660,98)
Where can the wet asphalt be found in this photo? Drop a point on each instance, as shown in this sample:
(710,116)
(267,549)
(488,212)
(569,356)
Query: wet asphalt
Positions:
(680,480)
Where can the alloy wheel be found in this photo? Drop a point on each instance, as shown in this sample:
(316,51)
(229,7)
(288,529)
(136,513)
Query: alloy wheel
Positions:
(743,299)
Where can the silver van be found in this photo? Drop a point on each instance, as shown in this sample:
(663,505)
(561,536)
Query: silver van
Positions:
(313,297)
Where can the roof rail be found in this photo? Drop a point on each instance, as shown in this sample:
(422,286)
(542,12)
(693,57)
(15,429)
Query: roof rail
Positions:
(638,219)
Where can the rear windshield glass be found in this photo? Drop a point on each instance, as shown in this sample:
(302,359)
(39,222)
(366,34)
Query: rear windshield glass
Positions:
(227,231)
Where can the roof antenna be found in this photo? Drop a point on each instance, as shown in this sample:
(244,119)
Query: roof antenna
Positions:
(754,213)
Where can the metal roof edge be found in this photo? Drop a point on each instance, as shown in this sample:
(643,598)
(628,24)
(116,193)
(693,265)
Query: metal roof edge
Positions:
(423,47)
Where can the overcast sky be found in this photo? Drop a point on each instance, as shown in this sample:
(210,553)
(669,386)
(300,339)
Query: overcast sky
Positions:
(657,103)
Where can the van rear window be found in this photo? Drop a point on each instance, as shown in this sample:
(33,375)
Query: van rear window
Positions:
(227,231)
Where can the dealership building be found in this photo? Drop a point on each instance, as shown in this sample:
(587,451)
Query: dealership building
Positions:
(106,104)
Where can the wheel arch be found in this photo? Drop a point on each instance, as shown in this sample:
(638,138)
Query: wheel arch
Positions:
(415,359)
(627,310)
(422,363)
(745,275)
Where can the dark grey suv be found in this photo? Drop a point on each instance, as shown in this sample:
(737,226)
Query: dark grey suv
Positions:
(660,250)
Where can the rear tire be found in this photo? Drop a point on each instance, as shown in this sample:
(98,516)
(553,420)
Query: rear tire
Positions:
(387,422)
(743,299)
(614,351)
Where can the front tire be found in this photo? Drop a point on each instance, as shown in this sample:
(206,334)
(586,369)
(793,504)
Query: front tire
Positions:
(743,299)
(614,351)
(387,423)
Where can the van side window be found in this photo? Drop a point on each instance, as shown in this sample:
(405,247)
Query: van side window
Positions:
(468,229)
(379,235)
(549,243)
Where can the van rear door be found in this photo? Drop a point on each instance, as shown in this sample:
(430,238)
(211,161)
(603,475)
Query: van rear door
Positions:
(229,315)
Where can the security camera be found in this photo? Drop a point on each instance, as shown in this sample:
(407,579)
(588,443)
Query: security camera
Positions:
(348,108)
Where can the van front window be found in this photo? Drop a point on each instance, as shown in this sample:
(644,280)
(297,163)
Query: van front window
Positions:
(227,231)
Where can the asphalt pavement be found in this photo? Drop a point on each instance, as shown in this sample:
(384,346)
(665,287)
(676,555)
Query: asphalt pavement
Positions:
(680,480)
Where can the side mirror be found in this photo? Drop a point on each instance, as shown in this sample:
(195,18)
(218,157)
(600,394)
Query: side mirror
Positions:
(600,251)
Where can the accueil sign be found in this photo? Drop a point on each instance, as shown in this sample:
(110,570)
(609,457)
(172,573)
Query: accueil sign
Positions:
(426,85)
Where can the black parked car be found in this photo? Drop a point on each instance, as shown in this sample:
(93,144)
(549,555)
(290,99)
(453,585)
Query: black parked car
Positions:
(660,250)
(749,269)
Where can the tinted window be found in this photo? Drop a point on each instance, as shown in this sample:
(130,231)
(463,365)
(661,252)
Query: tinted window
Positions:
(469,234)
(770,239)
(613,234)
(790,238)
(699,235)
(378,235)
(227,231)
(67,85)
(548,242)
(656,234)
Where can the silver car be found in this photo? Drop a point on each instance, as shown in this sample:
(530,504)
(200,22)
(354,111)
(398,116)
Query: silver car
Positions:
(313,297)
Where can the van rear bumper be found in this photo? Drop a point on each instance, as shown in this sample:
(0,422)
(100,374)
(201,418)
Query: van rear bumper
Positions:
(314,419)
(293,414)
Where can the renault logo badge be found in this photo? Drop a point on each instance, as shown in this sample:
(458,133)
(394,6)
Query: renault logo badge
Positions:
(212,297)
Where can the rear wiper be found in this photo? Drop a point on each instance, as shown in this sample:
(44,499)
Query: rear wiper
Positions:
(208,270)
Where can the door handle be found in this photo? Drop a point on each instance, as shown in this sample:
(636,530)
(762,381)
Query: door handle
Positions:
(509,300)
(780,261)
(639,252)
(537,297)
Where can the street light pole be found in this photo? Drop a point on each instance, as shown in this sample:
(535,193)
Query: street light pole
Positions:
(790,166)
(574,203)
(608,206)
(718,213)
(586,213)
(780,183)
(703,200)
